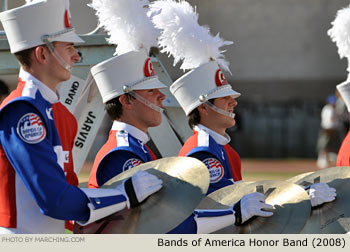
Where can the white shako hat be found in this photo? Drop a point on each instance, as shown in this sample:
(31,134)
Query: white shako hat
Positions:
(200,85)
(27,25)
(344,90)
(183,38)
(340,34)
(124,73)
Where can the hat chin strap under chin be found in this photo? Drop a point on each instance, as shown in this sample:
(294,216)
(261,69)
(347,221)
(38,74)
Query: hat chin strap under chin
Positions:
(46,39)
(146,102)
(57,56)
(218,110)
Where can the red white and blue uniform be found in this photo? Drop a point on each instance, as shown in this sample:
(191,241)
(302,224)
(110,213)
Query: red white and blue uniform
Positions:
(224,165)
(67,128)
(343,158)
(125,148)
(34,194)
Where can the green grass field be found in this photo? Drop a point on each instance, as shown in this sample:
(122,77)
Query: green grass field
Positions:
(253,170)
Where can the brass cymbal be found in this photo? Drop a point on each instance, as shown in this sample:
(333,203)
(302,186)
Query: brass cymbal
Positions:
(185,183)
(332,217)
(298,177)
(292,207)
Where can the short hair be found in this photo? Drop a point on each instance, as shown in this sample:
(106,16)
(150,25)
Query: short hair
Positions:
(4,89)
(24,57)
(114,108)
(194,117)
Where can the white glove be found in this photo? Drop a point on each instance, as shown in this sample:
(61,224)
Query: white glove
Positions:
(141,185)
(320,193)
(251,205)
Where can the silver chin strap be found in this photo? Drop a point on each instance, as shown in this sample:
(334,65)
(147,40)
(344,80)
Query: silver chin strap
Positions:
(219,110)
(47,39)
(203,98)
(143,100)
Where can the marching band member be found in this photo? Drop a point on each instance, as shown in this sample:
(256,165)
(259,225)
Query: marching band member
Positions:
(134,103)
(209,102)
(35,196)
(339,34)
(129,88)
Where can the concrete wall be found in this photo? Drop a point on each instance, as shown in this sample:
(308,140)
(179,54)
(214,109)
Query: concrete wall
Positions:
(277,43)
(276,39)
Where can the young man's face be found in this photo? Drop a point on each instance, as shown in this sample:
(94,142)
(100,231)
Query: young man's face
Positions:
(148,117)
(68,53)
(228,104)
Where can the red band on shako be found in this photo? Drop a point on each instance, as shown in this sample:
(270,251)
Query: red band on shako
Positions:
(67,22)
(148,68)
(220,78)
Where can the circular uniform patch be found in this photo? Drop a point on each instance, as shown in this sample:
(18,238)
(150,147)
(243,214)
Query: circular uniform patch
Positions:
(31,129)
(216,171)
(130,163)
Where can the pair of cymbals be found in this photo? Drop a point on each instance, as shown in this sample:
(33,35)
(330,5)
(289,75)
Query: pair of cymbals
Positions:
(293,212)
(291,202)
(332,217)
(186,180)
(185,183)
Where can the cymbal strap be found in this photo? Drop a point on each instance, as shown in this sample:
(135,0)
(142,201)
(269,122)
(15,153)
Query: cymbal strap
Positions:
(238,213)
(129,189)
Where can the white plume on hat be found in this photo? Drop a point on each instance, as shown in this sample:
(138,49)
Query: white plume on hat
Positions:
(187,41)
(182,36)
(127,24)
(340,34)
(128,27)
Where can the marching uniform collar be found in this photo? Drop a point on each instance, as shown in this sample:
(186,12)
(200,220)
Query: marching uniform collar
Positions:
(219,139)
(46,92)
(135,132)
